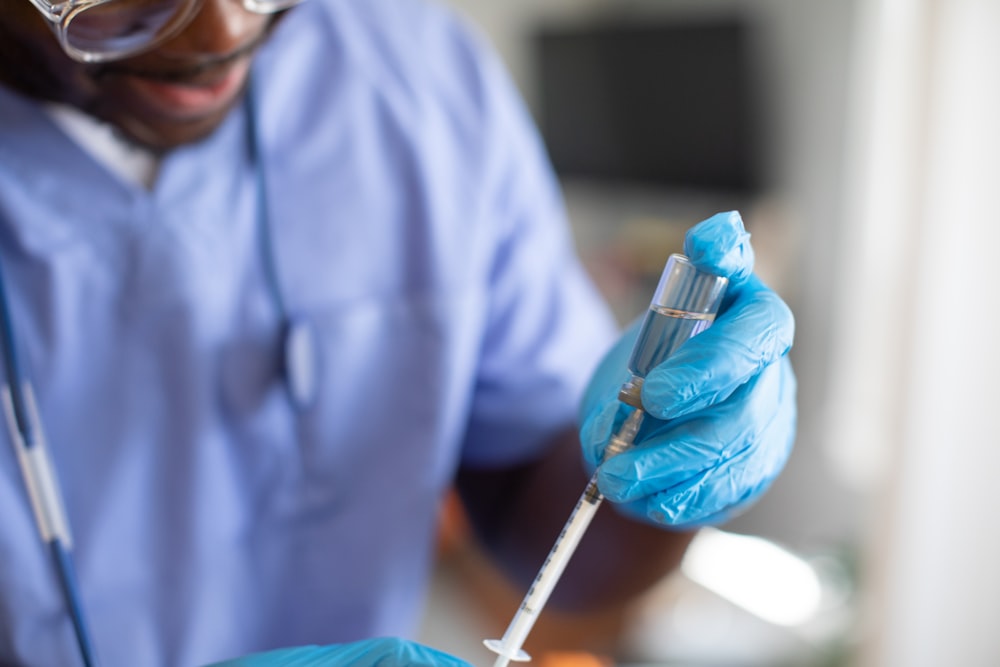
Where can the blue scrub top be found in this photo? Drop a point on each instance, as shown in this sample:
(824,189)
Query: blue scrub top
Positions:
(416,222)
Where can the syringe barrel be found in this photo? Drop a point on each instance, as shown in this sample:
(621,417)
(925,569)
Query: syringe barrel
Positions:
(684,304)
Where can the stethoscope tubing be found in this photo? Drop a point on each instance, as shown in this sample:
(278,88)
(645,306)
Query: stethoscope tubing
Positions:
(300,358)
(39,477)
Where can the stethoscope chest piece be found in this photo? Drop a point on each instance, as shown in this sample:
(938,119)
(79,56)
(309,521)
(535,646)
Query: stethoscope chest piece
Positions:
(301,361)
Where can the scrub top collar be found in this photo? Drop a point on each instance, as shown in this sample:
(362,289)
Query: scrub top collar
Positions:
(127,160)
(31,142)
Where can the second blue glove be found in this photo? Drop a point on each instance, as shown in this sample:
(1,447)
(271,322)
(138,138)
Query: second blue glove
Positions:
(381,652)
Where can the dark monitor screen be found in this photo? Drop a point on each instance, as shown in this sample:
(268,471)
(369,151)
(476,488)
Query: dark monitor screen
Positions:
(665,104)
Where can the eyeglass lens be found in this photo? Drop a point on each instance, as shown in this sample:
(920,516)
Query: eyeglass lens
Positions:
(129,26)
(124,26)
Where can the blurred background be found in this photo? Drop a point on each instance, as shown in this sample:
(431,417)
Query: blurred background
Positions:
(859,139)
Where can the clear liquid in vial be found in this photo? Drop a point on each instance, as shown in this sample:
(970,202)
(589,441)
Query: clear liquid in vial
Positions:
(662,333)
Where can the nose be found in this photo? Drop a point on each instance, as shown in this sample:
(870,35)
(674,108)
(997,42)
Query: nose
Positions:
(219,27)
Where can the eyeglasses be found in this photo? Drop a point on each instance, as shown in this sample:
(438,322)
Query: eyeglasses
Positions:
(92,31)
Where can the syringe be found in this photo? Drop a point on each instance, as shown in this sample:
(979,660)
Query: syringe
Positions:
(684,304)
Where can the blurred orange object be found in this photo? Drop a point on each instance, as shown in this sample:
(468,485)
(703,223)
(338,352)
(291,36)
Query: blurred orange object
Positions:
(572,659)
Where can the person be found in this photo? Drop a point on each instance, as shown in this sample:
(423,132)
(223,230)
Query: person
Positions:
(283,277)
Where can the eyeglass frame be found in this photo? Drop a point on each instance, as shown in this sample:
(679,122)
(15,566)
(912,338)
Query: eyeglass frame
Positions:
(59,15)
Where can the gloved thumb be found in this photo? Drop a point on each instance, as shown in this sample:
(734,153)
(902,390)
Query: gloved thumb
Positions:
(720,245)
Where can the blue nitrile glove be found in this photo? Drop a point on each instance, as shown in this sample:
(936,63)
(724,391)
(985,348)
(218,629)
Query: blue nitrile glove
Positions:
(384,652)
(720,412)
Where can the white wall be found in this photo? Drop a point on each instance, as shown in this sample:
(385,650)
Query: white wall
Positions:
(927,140)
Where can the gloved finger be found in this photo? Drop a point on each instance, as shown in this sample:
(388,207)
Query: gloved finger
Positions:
(721,245)
(639,510)
(677,454)
(755,331)
(598,427)
(724,490)
(383,652)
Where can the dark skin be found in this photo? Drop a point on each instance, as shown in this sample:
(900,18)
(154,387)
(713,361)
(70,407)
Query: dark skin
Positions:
(516,512)
(217,44)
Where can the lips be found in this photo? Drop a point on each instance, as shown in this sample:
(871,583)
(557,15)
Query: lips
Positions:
(195,98)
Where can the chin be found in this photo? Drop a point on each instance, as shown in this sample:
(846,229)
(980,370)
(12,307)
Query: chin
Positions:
(158,133)
(163,137)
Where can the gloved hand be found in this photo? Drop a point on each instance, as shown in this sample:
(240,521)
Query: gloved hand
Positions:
(720,412)
(384,652)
